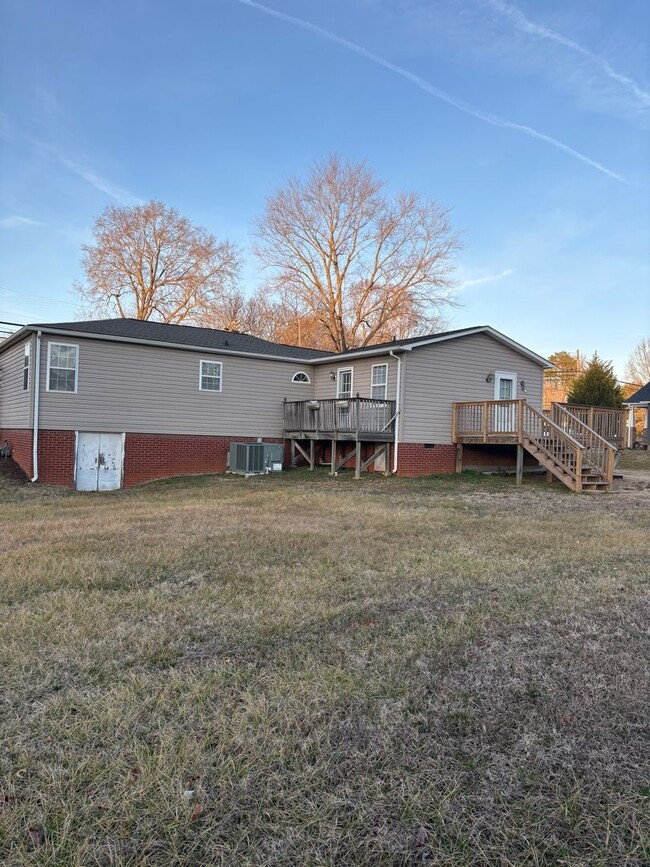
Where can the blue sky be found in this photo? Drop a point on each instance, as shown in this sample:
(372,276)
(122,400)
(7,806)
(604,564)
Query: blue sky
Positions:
(529,120)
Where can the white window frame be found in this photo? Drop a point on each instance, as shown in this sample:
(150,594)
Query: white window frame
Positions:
(339,371)
(74,346)
(384,384)
(301,381)
(504,374)
(203,361)
(27,368)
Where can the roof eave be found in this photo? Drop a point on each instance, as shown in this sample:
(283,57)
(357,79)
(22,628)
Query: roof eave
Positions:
(162,343)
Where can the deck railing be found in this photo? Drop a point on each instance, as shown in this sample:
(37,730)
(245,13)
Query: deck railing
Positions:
(488,419)
(599,453)
(554,442)
(608,422)
(566,441)
(353,415)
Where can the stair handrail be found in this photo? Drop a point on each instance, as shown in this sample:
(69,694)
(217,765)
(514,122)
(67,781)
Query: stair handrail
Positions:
(594,443)
(572,468)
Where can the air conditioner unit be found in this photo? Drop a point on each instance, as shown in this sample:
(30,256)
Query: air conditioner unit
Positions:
(254,459)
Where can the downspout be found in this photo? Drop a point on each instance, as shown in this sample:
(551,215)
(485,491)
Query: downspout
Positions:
(37,396)
(398,406)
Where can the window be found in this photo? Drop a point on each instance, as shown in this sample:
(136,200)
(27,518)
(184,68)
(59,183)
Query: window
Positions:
(210,376)
(301,376)
(62,366)
(26,363)
(344,383)
(379,385)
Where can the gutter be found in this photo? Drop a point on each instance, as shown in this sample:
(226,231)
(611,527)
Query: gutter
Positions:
(208,350)
(37,400)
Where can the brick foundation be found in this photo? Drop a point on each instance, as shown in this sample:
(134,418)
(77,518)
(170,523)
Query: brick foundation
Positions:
(20,440)
(160,456)
(56,457)
(418,459)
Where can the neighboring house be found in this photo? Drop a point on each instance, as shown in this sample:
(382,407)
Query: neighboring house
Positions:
(639,400)
(118,402)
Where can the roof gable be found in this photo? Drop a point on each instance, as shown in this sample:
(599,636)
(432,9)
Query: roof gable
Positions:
(640,396)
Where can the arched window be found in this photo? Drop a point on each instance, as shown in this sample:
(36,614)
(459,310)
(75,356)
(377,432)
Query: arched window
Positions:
(301,376)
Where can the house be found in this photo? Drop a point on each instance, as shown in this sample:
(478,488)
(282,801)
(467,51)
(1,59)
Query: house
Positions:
(641,400)
(115,402)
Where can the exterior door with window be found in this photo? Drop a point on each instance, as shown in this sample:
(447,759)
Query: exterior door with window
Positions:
(344,417)
(505,388)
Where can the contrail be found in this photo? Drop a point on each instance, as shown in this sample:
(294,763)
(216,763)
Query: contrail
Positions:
(486,117)
(490,278)
(527,26)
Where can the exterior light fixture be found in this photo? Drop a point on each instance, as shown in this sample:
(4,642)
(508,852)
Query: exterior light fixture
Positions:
(522,384)
(333,375)
(489,377)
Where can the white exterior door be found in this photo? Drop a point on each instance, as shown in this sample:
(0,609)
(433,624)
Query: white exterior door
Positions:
(505,388)
(99,461)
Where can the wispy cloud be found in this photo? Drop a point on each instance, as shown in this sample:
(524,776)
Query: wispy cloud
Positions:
(489,278)
(525,25)
(486,117)
(16,222)
(124,197)
(10,132)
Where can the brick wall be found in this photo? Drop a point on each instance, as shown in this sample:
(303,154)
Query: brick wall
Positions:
(20,440)
(56,457)
(418,459)
(160,456)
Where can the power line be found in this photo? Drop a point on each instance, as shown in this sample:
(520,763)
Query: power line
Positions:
(21,294)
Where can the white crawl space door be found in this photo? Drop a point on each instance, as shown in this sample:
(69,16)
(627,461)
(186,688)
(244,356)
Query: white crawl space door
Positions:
(99,461)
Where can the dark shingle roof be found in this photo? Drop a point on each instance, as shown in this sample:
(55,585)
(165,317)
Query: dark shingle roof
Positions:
(640,396)
(185,335)
(406,341)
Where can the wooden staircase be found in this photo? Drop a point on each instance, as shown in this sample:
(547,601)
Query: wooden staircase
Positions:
(562,443)
(569,449)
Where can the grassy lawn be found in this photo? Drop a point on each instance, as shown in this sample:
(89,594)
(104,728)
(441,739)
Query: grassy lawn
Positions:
(305,671)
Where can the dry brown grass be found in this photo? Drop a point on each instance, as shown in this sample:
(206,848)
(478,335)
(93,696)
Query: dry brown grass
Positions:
(305,671)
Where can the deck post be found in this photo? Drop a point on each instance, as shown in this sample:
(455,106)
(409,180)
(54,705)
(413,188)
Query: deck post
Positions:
(333,464)
(293,451)
(520,464)
(459,458)
(486,419)
(357,459)
(312,448)
(578,470)
(454,411)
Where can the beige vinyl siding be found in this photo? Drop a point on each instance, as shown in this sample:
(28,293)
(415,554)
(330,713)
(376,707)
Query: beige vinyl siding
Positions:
(325,387)
(132,388)
(15,403)
(454,370)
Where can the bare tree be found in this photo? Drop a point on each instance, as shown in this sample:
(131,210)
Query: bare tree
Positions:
(367,266)
(637,368)
(149,262)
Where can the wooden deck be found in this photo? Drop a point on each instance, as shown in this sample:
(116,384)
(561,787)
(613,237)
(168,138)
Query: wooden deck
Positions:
(354,419)
(570,450)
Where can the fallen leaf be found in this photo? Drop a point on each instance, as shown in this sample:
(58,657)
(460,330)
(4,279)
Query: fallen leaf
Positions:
(421,837)
(197,810)
(37,836)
